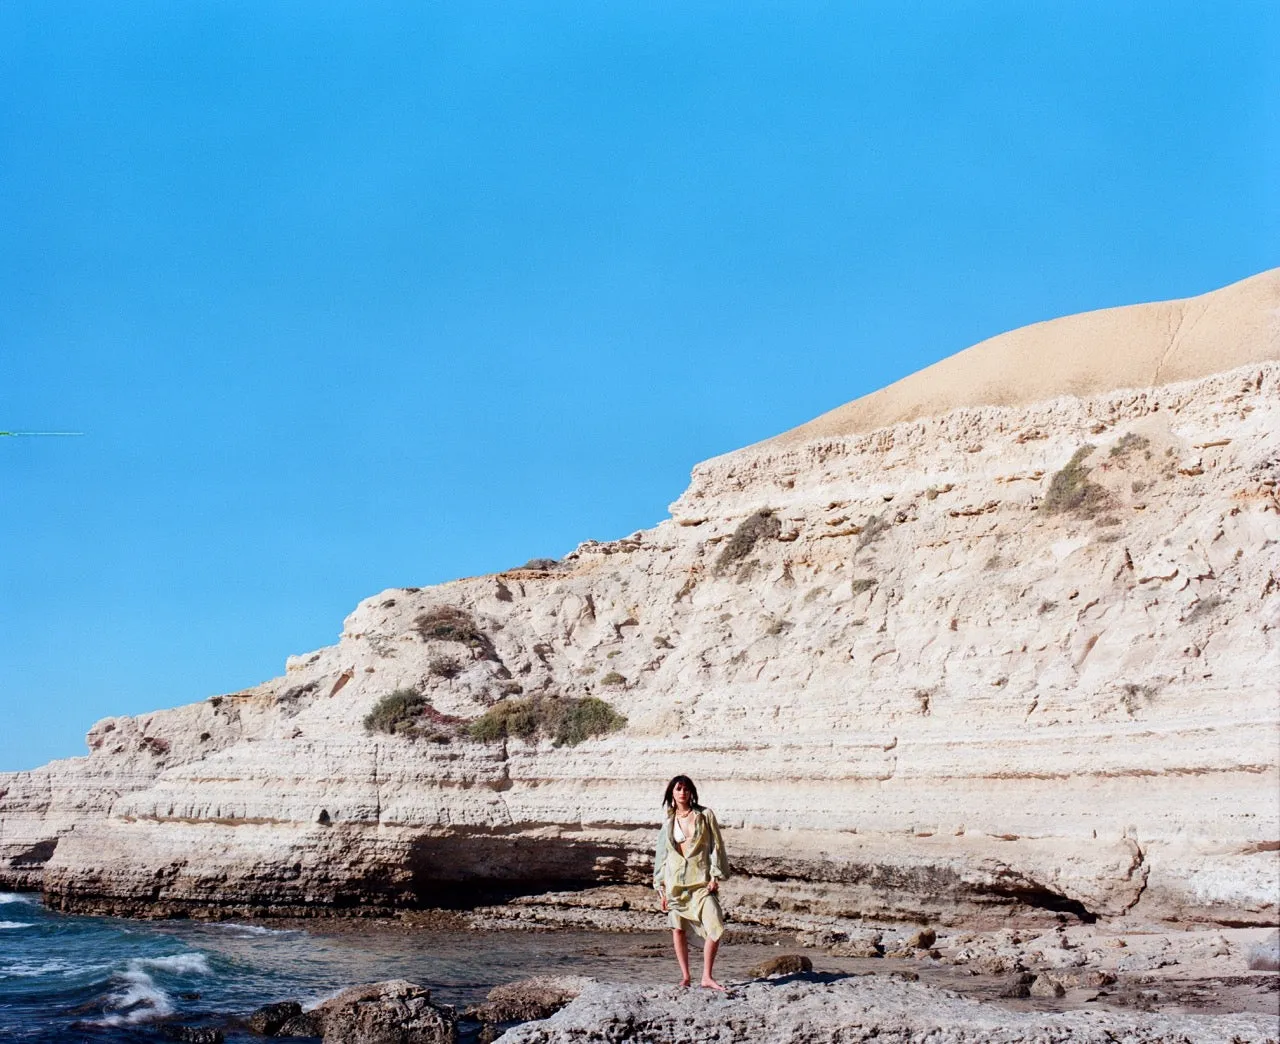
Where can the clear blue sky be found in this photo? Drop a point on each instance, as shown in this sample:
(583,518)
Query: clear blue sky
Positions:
(351,296)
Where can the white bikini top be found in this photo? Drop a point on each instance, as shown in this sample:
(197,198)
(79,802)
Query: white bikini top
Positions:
(677,834)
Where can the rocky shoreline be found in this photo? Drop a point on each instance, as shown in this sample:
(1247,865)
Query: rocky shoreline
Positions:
(841,981)
(788,999)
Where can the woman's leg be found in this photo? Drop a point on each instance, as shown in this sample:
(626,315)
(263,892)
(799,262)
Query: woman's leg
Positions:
(681,942)
(709,948)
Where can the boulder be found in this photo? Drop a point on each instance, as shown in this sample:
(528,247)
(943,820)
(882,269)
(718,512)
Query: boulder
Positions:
(308,1024)
(193,1034)
(1017,985)
(785,964)
(393,1012)
(268,1019)
(527,999)
(1046,987)
(923,939)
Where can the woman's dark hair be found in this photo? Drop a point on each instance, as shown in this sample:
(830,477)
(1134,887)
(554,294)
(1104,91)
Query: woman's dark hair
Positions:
(668,798)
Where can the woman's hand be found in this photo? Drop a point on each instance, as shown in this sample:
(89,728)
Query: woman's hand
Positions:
(663,897)
(713,886)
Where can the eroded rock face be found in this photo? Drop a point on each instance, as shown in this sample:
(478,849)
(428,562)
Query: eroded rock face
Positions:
(1002,660)
(393,1012)
(853,1009)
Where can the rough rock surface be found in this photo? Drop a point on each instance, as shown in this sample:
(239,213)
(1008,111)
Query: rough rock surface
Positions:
(527,999)
(393,1012)
(844,1010)
(967,668)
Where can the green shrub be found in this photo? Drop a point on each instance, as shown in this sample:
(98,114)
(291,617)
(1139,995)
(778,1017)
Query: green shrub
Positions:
(584,718)
(763,525)
(398,711)
(541,565)
(448,623)
(863,584)
(1129,441)
(563,721)
(1071,491)
(613,678)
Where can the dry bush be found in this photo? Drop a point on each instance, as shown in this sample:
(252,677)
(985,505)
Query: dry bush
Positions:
(407,713)
(1071,491)
(1129,442)
(763,525)
(1202,608)
(448,623)
(447,667)
(872,530)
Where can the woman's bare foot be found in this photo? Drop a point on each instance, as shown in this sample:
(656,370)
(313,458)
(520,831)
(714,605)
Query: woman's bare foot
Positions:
(711,984)
(684,981)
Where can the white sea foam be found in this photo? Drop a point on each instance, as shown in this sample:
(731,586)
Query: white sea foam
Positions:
(15,924)
(250,929)
(177,963)
(16,897)
(24,970)
(136,999)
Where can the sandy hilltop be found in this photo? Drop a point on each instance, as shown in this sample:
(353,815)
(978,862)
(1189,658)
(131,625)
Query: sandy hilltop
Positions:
(997,642)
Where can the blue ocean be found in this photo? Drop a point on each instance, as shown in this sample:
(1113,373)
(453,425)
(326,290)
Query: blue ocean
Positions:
(98,979)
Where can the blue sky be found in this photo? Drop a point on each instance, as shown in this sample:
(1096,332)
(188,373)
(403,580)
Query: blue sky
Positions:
(351,296)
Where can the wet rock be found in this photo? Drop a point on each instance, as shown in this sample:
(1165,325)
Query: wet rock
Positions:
(1016,985)
(862,946)
(268,1019)
(308,1024)
(193,1034)
(394,1012)
(534,998)
(999,964)
(923,939)
(1044,986)
(785,964)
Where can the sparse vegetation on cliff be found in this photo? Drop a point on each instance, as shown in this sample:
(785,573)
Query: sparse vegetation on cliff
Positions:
(447,667)
(395,712)
(566,722)
(1129,442)
(407,713)
(763,525)
(448,623)
(1071,491)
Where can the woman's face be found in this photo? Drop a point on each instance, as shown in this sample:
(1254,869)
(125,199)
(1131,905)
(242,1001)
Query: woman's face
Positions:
(681,795)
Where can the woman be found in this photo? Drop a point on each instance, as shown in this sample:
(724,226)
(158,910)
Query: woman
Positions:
(687,870)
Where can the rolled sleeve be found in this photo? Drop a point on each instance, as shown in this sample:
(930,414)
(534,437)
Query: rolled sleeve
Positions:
(659,858)
(718,860)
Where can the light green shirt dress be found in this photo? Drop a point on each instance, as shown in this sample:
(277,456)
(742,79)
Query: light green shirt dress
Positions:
(684,878)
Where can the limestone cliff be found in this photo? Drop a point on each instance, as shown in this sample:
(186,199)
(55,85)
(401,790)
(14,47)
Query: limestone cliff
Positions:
(990,660)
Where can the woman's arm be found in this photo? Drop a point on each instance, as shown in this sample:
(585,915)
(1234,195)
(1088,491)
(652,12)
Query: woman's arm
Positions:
(719,860)
(660,858)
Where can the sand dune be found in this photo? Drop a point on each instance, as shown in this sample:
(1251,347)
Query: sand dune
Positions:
(1138,346)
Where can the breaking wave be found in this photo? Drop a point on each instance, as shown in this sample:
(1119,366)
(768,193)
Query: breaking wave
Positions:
(251,929)
(136,997)
(16,924)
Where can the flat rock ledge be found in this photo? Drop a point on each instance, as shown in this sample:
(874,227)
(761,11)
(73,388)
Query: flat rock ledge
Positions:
(840,1010)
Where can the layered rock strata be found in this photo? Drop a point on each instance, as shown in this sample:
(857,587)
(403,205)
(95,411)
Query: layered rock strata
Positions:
(841,1010)
(1002,660)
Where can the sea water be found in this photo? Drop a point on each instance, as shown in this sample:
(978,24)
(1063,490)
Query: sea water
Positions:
(109,980)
